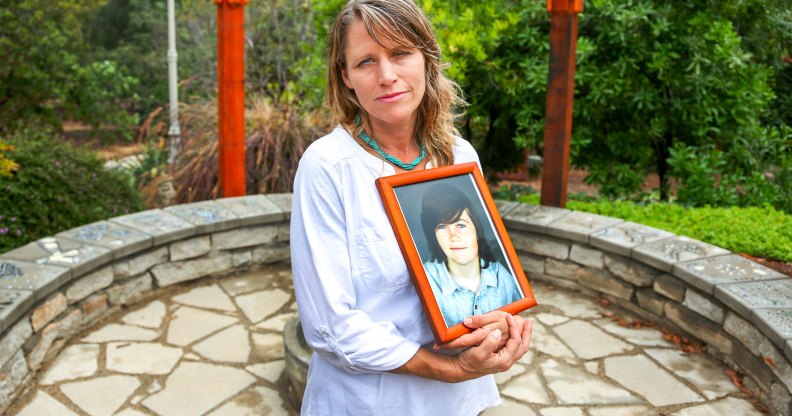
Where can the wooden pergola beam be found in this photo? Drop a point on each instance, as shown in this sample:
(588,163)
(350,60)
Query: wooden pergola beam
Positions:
(560,95)
(231,95)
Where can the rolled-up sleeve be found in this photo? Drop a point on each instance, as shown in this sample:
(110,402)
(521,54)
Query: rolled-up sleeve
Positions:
(322,269)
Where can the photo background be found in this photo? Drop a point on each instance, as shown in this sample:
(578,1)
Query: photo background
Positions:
(411,196)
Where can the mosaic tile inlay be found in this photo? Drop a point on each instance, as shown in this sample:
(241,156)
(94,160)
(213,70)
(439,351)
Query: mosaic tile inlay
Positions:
(9,270)
(665,253)
(202,213)
(154,221)
(585,221)
(536,214)
(732,268)
(99,232)
(57,254)
(632,233)
(27,276)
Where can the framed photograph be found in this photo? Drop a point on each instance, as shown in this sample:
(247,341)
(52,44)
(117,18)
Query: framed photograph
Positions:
(456,248)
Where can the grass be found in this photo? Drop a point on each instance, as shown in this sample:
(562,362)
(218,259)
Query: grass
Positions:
(758,231)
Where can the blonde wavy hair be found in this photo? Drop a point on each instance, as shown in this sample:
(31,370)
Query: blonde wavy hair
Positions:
(401,23)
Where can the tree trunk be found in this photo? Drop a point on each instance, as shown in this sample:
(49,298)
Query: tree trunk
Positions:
(662,153)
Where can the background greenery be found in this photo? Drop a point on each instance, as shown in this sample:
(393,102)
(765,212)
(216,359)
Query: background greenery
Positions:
(57,187)
(697,93)
(761,231)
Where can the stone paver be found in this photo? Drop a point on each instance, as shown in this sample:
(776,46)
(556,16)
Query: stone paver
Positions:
(643,376)
(527,388)
(646,337)
(589,342)
(509,408)
(699,370)
(190,324)
(44,404)
(545,343)
(572,385)
(230,345)
(75,361)
(141,357)
(195,388)
(253,402)
(259,305)
(149,316)
(101,396)
(728,406)
(216,349)
(276,323)
(270,371)
(208,297)
(121,332)
(620,411)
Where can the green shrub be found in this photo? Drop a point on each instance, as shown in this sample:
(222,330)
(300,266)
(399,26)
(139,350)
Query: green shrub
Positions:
(759,231)
(56,187)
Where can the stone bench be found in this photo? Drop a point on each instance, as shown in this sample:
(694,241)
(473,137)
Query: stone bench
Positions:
(54,287)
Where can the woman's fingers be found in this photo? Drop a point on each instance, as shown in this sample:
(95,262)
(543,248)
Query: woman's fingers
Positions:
(468,340)
(516,347)
(490,321)
(478,321)
(489,357)
(486,350)
(526,334)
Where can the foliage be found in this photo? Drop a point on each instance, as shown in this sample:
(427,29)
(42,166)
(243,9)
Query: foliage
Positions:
(46,73)
(285,59)
(57,187)
(689,81)
(7,166)
(284,53)
(134,33)
(498,53)
(650,75)
(276,136)
(151,164)
(750,173)
(760,231)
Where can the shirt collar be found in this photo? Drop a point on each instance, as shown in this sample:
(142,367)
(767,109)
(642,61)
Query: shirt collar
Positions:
(447,285)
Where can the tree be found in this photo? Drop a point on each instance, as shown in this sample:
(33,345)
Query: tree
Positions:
(650,76)
(46,74)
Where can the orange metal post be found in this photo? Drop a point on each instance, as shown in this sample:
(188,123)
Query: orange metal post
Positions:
(560,95)
(231,95)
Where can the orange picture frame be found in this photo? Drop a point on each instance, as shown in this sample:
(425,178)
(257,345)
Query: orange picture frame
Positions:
(407,199)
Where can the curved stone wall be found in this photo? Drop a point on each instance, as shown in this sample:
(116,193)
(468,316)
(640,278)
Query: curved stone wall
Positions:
(55,286)
(741,310)
(52,288)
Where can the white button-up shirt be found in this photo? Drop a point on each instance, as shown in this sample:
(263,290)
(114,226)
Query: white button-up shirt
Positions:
(359,310)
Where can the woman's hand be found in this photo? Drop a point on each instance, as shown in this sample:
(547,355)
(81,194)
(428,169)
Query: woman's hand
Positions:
(482,358)
(487,358)
(483,325)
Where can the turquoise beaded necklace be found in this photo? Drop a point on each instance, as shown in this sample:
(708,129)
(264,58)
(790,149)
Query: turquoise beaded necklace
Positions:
(392,160)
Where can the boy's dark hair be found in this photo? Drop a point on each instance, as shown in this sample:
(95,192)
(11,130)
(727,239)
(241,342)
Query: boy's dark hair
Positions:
(444,204)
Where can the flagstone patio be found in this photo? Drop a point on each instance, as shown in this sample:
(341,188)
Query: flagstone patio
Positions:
(215,347)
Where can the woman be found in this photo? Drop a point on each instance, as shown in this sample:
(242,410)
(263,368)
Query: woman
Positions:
(464,275)
(360,314)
